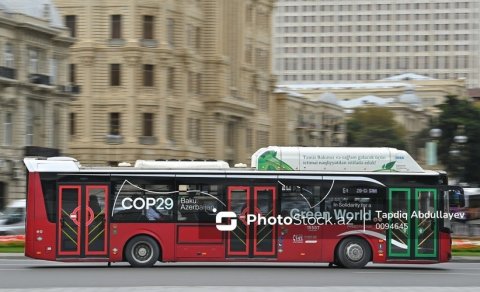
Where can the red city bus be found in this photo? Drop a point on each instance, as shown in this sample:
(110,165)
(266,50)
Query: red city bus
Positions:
(206,211)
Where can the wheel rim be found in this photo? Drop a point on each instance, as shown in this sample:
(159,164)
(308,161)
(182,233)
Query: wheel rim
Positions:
(354,252)
(142,252)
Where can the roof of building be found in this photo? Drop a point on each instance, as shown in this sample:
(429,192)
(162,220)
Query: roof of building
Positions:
(328,97)
(407,76)
(409,97)
(474,92)
(365,100)
(42,9)
(330,86)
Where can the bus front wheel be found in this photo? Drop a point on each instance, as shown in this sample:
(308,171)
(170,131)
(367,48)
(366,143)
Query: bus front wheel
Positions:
(353,253)
(142,251)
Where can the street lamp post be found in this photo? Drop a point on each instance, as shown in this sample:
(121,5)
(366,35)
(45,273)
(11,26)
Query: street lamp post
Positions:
(431,147)
(458,152)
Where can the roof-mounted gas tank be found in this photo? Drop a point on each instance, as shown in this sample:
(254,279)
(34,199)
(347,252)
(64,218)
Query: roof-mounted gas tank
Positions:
(350,159)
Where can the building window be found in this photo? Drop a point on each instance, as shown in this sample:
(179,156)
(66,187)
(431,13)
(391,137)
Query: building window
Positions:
(8,130)
(249,14)
(116,26)
(248,53)
(148,24)
(9,58)
(171,31)
(230,134)
(194,126)
(190,36)
(53,70)
(262,138)
(249,140)
(170,128)
(198,87)
(57,125)
(198,38)
(171,78)
(71,23)
(190,82)
(114,124)
(148,75)
(147,124)
(72,74)
(115,78)
(72,124)
(29,127)
(33,61)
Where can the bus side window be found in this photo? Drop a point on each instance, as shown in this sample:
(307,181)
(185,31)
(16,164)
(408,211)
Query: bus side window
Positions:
(352,202)
(49,185)
(199,203)
(142,201)
(297,200)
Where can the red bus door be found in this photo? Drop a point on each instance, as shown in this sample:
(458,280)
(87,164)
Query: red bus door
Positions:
(252,240)
(82,220)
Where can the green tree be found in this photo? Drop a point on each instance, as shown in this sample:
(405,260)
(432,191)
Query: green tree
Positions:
(375,127)
(460,117)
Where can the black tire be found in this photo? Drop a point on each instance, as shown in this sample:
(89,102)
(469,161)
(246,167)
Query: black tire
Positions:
(142,251)
(353,253)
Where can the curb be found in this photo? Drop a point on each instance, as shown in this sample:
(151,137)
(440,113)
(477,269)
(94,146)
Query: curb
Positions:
(13,256)
(466,259)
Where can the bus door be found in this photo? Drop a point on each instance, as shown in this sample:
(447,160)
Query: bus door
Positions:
(252,240)
(413,231)
(82,220)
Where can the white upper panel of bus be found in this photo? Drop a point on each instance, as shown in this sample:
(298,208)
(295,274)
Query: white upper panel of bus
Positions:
(153,164)
(273,158)
(335,159)
(53,164)
(68,164)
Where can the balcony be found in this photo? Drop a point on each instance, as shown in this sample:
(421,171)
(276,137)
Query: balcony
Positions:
(75,89)
(149,43)
(7,72)
(114,139)
(39,79)
(116,42)
(147,140)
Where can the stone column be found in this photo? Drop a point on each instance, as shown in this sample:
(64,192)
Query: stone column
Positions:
(87,62)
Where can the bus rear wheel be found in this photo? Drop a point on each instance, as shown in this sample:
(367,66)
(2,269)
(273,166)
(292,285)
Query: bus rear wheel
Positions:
(353,253)
(142,251)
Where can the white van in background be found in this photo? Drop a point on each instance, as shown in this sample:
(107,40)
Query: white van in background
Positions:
(12,221)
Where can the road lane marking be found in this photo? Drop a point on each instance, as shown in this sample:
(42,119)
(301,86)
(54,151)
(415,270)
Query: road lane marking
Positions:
(418,273)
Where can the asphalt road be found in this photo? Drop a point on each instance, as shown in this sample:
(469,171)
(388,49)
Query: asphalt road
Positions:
(32,275)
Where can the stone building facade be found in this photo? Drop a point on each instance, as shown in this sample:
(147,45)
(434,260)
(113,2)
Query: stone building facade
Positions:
(412,99)
(34,96)
(179,79)
(304,121)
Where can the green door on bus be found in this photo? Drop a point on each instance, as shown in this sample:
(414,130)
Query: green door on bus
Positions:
(412,232)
